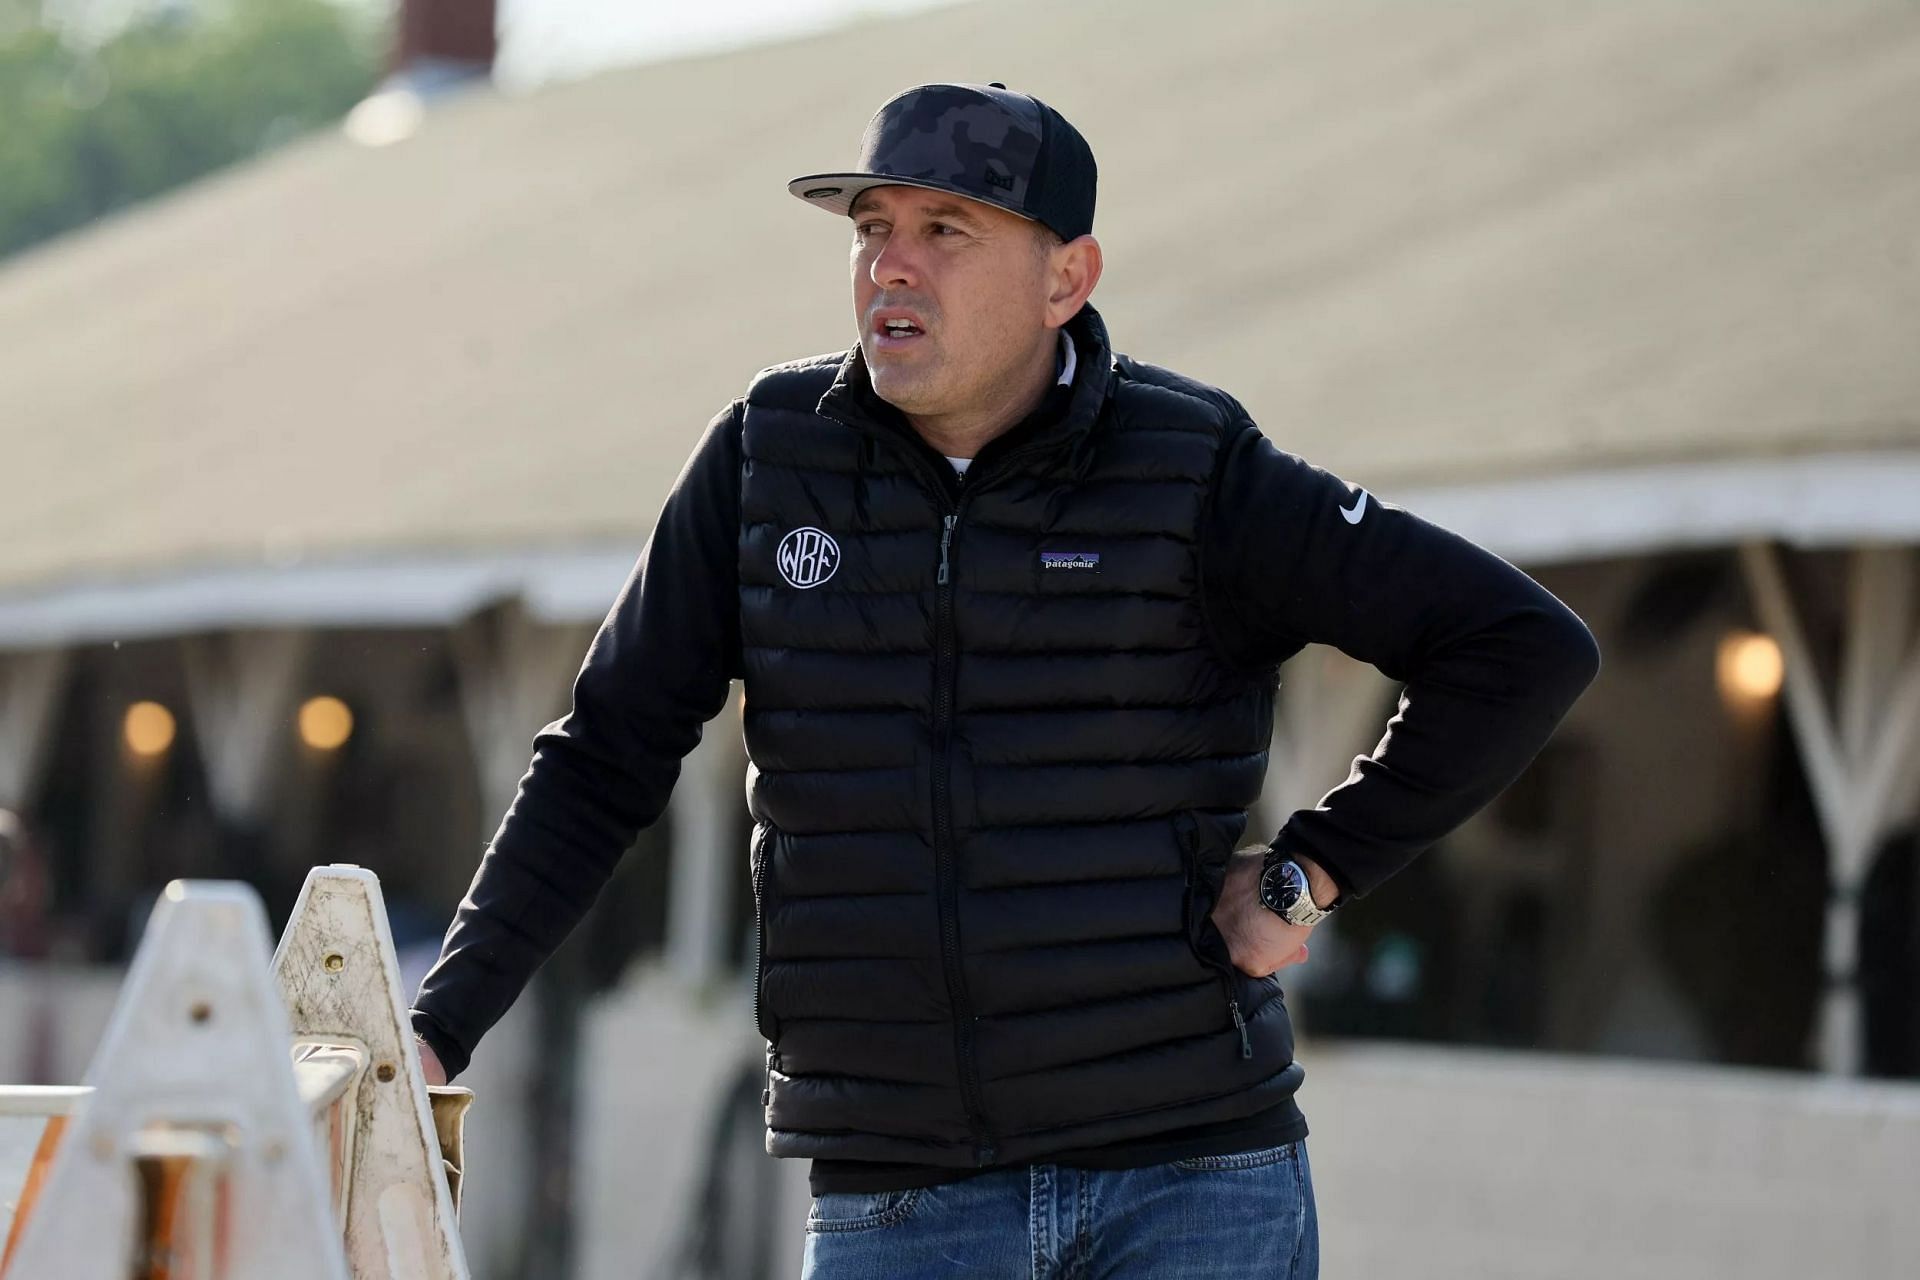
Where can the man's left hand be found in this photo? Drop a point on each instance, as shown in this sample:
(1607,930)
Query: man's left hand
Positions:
(1259,941)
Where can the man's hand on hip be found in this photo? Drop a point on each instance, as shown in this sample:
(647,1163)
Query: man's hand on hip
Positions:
(1259,941)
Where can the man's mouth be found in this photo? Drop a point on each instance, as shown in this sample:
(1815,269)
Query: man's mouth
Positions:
(893,331)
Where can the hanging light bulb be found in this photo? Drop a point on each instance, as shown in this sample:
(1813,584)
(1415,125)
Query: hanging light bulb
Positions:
(148,728)
(1749,668)
(325,722)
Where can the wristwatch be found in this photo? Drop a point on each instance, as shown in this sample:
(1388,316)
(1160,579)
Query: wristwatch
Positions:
(1284,891)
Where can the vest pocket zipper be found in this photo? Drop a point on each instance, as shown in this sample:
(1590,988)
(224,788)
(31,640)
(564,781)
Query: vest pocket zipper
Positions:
(1194,924)
(1233,1007)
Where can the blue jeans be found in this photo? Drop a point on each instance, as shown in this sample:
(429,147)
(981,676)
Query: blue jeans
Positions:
(1247,1216)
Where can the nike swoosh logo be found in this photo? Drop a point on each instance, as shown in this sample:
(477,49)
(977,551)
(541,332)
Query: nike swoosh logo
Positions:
(1358,509)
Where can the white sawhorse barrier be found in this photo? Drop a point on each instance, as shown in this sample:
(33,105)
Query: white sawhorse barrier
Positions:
(247,1117)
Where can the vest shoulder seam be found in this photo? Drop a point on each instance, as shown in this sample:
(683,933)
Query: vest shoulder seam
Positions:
(786,385)
(1222,408)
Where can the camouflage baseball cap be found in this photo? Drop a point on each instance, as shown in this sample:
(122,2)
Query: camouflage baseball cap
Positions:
(982,141)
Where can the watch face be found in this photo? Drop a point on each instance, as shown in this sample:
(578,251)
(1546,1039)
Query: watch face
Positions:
(1282,885)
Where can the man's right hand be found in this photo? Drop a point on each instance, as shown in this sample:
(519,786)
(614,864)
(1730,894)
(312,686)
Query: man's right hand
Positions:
(430,1063)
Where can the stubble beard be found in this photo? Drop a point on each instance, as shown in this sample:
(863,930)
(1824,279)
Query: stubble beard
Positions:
(910,390)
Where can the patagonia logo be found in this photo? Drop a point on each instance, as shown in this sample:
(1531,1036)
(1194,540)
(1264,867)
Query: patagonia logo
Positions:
(1089,561)
(807,557)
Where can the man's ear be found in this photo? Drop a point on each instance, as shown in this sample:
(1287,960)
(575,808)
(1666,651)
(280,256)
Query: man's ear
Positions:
(1076,270)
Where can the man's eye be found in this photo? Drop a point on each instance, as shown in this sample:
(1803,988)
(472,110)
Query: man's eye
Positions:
(941,228)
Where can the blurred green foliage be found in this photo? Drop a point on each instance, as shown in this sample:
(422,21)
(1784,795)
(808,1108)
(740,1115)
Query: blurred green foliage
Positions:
(180,93)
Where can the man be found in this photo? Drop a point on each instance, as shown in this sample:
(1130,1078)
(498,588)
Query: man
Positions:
(1009,608)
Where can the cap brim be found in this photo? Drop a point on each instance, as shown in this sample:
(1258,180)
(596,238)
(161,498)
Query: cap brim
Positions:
(836,192)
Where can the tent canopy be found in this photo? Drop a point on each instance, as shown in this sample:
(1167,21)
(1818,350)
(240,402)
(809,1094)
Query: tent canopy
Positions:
(1470,249)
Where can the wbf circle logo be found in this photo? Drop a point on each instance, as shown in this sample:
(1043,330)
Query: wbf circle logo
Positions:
(808,557)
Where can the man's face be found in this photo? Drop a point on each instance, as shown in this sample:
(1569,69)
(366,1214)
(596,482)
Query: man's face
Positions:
(966,287)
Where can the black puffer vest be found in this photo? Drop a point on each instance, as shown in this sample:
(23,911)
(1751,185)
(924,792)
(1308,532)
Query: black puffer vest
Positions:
(996,774)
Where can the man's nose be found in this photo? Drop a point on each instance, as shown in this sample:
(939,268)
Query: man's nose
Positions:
(894,265)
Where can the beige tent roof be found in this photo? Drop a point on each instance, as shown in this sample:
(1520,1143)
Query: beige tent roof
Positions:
(1428,245)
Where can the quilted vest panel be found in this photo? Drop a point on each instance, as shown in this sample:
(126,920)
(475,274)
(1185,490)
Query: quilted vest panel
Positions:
(996,772)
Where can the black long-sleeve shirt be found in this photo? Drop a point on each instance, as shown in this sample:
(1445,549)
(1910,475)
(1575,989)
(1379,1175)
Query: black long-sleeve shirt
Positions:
(1291,555)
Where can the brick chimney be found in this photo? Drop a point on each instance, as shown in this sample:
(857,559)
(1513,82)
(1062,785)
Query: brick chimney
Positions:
(439,44)
(440,47)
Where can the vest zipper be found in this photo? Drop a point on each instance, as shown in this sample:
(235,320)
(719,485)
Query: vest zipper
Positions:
(946,874)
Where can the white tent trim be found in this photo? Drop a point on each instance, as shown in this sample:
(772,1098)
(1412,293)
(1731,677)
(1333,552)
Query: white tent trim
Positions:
(1833,499)
(378,591)
(1809,500)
